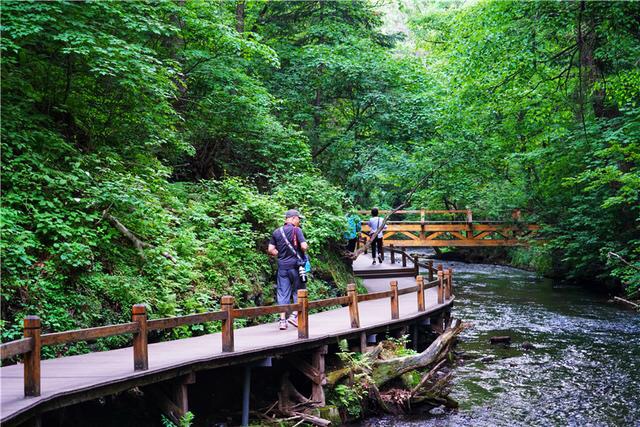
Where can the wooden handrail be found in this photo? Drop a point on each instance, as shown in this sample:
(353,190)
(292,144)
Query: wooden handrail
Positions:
(409,290)
(374,296)
(190,319)
(89,334)
(16,348)
(252,312)
(431,284)
(30,345)
(328,302)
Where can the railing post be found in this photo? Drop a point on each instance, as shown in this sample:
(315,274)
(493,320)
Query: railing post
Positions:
(395,308)
(416,267)
(393,254)
(303,314)
(430,264)
(448,273)
(404,259)
(354,313)
(440,286)
(32,329)
(420,283)
(140,345)
(226,304)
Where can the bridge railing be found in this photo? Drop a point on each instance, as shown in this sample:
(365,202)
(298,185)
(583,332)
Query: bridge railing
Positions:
(30,346)
(443,215)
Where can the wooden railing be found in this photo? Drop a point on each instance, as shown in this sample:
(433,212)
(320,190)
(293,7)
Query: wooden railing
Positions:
(467,214)
(30,346)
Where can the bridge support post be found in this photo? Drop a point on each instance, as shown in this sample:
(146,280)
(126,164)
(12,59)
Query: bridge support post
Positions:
(440,286)
(416,266)
(181,391)
(430,264)
(303,314)
(140,344)
(420,284)
(354,314)
(363,342)
(404,258)
(32,329)
(317,361)
(227,324)
(392,254)
(415,336)
(246,390)
(395,308)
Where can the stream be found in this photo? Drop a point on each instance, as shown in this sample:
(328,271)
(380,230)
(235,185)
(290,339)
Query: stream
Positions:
(584,369)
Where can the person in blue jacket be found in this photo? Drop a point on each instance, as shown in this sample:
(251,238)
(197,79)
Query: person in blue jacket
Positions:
(354,226)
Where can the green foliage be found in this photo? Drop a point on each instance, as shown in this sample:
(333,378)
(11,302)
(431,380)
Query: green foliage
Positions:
(538,109)
(350,397)
(185,421)
(148,118)
(398,346)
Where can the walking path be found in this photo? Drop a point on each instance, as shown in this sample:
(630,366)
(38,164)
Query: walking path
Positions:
(73,379)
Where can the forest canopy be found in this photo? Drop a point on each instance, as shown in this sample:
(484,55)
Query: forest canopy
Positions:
(149,148)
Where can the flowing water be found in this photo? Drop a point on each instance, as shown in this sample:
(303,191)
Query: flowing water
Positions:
(584,369)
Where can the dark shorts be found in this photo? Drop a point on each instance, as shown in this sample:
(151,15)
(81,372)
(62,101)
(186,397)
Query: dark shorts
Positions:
(288,285)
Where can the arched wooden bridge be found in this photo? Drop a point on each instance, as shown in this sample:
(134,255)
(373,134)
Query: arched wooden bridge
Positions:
(453,228)
(33,387)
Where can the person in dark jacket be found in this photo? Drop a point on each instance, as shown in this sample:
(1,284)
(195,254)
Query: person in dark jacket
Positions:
(289,245)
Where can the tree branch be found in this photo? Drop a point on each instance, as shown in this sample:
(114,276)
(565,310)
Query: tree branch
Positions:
(137,243)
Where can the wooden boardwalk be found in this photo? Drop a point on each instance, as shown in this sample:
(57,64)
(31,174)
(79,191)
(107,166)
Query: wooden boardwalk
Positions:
(74,379)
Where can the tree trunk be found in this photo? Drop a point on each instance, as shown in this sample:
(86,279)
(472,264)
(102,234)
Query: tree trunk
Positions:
(385,370)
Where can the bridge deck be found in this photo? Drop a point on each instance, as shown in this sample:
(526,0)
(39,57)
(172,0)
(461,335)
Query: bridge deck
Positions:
(77,378)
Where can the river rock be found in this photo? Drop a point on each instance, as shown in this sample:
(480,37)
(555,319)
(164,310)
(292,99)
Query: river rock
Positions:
(527,346)
(503,339)
(438,410)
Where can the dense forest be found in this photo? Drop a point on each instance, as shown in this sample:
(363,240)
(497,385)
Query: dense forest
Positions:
(150,148)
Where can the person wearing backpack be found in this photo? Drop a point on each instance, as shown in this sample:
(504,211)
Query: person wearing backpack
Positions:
(354,226)
(375,234)
(289,245)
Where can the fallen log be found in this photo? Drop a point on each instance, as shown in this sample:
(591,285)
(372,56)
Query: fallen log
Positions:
(316,421)
(633,304)
(334,377)
(385,370)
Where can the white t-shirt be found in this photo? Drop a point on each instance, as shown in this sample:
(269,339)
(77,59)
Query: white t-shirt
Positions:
(375,223)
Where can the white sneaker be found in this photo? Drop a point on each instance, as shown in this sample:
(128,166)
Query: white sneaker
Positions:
(293,320)
(282,324)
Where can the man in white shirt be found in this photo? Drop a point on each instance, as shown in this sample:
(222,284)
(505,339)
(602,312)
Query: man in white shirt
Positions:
(375,224)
